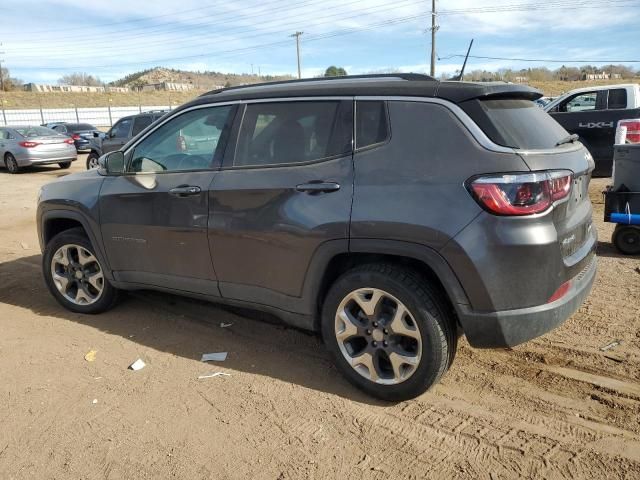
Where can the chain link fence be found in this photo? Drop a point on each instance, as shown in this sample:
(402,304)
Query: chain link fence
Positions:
(97,116)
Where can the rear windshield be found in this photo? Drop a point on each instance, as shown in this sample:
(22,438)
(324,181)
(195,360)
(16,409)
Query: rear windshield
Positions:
(35,131)
(515,123)
(76,127)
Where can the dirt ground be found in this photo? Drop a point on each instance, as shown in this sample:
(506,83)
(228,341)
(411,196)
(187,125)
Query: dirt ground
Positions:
(556,407)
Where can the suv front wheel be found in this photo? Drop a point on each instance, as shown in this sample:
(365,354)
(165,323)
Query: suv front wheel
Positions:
(74,275)
(92,160)
(390,333)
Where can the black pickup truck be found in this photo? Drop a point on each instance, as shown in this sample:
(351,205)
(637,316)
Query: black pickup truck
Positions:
(593,114)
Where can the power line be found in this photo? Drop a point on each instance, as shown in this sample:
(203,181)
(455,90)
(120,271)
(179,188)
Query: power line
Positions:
(266,8)
(243,49)
(545,60)
(268,30)
(187,29)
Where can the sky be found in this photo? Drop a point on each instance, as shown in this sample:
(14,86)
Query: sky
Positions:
(43,40)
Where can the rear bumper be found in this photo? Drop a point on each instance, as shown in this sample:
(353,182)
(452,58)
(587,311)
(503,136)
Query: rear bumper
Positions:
(508,328)
(26,162)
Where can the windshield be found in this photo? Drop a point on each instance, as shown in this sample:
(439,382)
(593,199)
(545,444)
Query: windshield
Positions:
(35,132)
(516,123)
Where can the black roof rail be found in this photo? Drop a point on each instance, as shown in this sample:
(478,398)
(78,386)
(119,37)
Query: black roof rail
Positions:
(400,76)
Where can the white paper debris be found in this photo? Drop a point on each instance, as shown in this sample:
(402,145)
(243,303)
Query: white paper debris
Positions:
(137,365)
(216,374)
(214,357)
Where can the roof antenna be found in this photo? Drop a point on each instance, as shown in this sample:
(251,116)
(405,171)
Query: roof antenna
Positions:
(459,78)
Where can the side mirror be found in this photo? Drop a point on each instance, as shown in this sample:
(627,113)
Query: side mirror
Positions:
(111,163)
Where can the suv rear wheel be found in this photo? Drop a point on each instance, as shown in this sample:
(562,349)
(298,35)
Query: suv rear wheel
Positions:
(389,332)
(74,275)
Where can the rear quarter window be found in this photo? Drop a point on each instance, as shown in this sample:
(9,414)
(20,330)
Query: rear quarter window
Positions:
(515,123)
(617,98)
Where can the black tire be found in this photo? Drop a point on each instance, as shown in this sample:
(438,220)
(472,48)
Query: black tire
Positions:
(626,238)
(76,236)
(11,163)
(92,157)
(64,165)
(427,305)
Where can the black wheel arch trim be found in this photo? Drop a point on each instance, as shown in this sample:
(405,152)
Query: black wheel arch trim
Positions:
(96,241)
(326,252)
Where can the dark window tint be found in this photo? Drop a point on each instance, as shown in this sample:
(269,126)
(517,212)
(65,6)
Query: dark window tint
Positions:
(617,98)
(293,132)
(515,123)
(76,127)
(371,123)
(60,128)
(189,141)
(139,124)
(122,128)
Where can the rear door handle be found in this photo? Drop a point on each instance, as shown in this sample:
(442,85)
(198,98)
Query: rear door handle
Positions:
(318,187)
(185,190)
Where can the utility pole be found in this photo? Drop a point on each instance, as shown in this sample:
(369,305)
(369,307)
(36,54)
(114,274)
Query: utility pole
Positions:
(434,28)
(1,75)
(297,35)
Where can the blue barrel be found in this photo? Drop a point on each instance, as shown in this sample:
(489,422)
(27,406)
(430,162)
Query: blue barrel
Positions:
(625,218)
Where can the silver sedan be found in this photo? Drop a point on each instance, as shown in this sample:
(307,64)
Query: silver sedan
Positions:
(25,146)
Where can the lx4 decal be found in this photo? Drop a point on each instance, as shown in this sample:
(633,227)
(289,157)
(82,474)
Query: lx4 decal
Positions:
(595,124)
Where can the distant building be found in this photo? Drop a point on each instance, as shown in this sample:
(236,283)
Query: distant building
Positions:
(171,86)
(117,89)
(598,76)
(521,79)
(46,88)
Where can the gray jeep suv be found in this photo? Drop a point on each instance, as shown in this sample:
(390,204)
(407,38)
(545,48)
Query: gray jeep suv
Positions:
(389,213)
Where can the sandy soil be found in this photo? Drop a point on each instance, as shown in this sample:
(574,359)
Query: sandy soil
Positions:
(556,407)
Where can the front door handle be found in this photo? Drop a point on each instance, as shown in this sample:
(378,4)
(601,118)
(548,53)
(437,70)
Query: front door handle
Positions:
(318,187)
(185,190)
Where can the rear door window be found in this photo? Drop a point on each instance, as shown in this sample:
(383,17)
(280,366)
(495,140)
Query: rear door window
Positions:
(515,123)
(294,132)
(617,98)
(372,126)
(139,124)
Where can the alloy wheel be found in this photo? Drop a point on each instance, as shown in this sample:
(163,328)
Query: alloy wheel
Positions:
(77,274)
(378,336)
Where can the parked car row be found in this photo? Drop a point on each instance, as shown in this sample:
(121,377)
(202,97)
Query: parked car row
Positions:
(22,146)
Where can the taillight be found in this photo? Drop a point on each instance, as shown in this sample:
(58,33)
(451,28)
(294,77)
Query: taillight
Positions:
(28,144)
(69,141)
(75,136)
(633,130)
(521,193)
